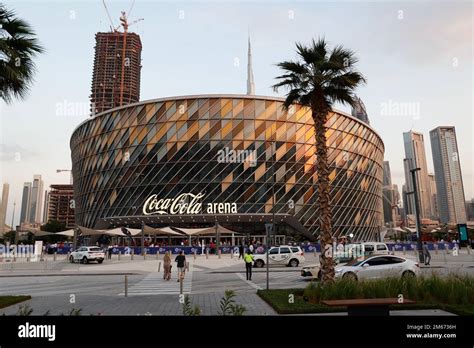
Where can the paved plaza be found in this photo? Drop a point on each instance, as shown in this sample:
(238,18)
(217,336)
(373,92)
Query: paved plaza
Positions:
(57,286)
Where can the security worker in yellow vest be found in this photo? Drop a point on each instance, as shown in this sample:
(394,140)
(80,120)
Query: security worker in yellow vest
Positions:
(248,258)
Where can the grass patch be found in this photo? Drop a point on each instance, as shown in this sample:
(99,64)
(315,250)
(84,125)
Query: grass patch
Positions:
(453,293)
(6,301)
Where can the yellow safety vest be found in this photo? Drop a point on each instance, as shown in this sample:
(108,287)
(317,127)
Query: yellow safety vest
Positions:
(248,258)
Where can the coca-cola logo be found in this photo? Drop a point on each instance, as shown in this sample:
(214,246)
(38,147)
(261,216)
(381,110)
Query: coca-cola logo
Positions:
(185,203)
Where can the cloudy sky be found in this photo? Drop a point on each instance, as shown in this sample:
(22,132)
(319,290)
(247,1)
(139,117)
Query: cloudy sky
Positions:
(417,54)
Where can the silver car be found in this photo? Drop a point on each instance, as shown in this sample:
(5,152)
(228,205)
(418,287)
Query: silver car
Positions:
(378,266)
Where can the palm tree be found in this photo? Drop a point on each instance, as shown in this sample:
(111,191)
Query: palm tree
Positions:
(318,79)
(18,46)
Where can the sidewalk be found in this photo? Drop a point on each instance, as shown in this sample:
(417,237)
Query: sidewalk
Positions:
(141,305)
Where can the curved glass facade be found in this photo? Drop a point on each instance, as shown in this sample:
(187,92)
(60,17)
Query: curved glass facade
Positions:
(230,148)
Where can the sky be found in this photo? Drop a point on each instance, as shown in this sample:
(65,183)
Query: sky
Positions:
(417,55)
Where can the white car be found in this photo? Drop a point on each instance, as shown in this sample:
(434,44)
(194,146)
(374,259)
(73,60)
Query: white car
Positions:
(378,266)
(86,254)
(355,251)
(281,255)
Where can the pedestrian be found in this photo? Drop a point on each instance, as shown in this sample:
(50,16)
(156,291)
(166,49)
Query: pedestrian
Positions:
(167,266)
(426,254)
(181,263)
(248,258)
(109,252)
(241,250)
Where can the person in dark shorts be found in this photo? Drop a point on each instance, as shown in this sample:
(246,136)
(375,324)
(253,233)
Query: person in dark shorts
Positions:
(181,264)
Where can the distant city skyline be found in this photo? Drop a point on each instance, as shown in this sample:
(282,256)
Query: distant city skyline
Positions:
(198,48)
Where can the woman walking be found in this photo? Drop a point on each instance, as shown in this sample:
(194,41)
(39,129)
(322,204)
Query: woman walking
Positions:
(167,266)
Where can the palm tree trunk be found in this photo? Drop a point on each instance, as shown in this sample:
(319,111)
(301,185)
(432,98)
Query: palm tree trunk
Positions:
(323,198)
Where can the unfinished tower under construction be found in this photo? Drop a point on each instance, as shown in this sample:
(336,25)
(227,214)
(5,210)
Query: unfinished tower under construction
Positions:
(117,66)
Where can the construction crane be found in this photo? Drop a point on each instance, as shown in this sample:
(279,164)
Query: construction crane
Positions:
(125,25)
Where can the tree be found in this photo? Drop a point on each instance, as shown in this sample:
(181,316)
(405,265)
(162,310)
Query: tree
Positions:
(318,79)
(18,47)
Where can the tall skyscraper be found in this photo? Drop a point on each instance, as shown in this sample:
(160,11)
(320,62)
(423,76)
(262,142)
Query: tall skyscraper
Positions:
(25,203)
(45,206)
(388,194)
(470,209)
(59,205)
(3,208)
(387,174)
(108,89)
(449,185)
(36,200)
(434,197)
(250,81)
(359,111)
(415,157)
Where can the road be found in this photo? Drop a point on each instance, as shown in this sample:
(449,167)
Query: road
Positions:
(61,286)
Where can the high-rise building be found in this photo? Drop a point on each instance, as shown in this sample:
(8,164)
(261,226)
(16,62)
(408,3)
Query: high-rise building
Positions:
(3,207)
(387,174)
(36,200)
(250,81)
(434,197)
(359,111)
(60,207)
(449,185)
(110,88)
(389,203)
(25,203)
(415,157)
(470,209)
(45,206)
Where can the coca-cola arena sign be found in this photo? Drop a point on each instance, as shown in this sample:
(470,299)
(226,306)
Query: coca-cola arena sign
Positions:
(185,204)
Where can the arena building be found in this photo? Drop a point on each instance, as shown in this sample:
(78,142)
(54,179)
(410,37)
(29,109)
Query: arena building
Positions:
(194,161)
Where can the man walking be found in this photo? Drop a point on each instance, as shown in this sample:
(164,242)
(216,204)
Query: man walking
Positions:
(248,258)
(181,263)
(241,250)
(426,254)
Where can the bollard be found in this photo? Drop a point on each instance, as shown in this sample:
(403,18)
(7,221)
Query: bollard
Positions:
(187,266)
(180,285)
(195,254)
(54,256)
(157,253)
(126,285)
(231,254)
(132,253)
(45,263)
(207,254)
(159,266)
(436,248)
(219,253)
(314,252)
(144,255)
(119,255)
(404,250)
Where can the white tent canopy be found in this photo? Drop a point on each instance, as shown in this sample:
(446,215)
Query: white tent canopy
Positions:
(68,233)
(118,232)
(167,231)
(206,231)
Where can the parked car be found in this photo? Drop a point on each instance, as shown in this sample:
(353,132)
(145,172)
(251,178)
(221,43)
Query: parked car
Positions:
(354,251)
(311,272)
(87,254)
(281,255)
(378,266)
